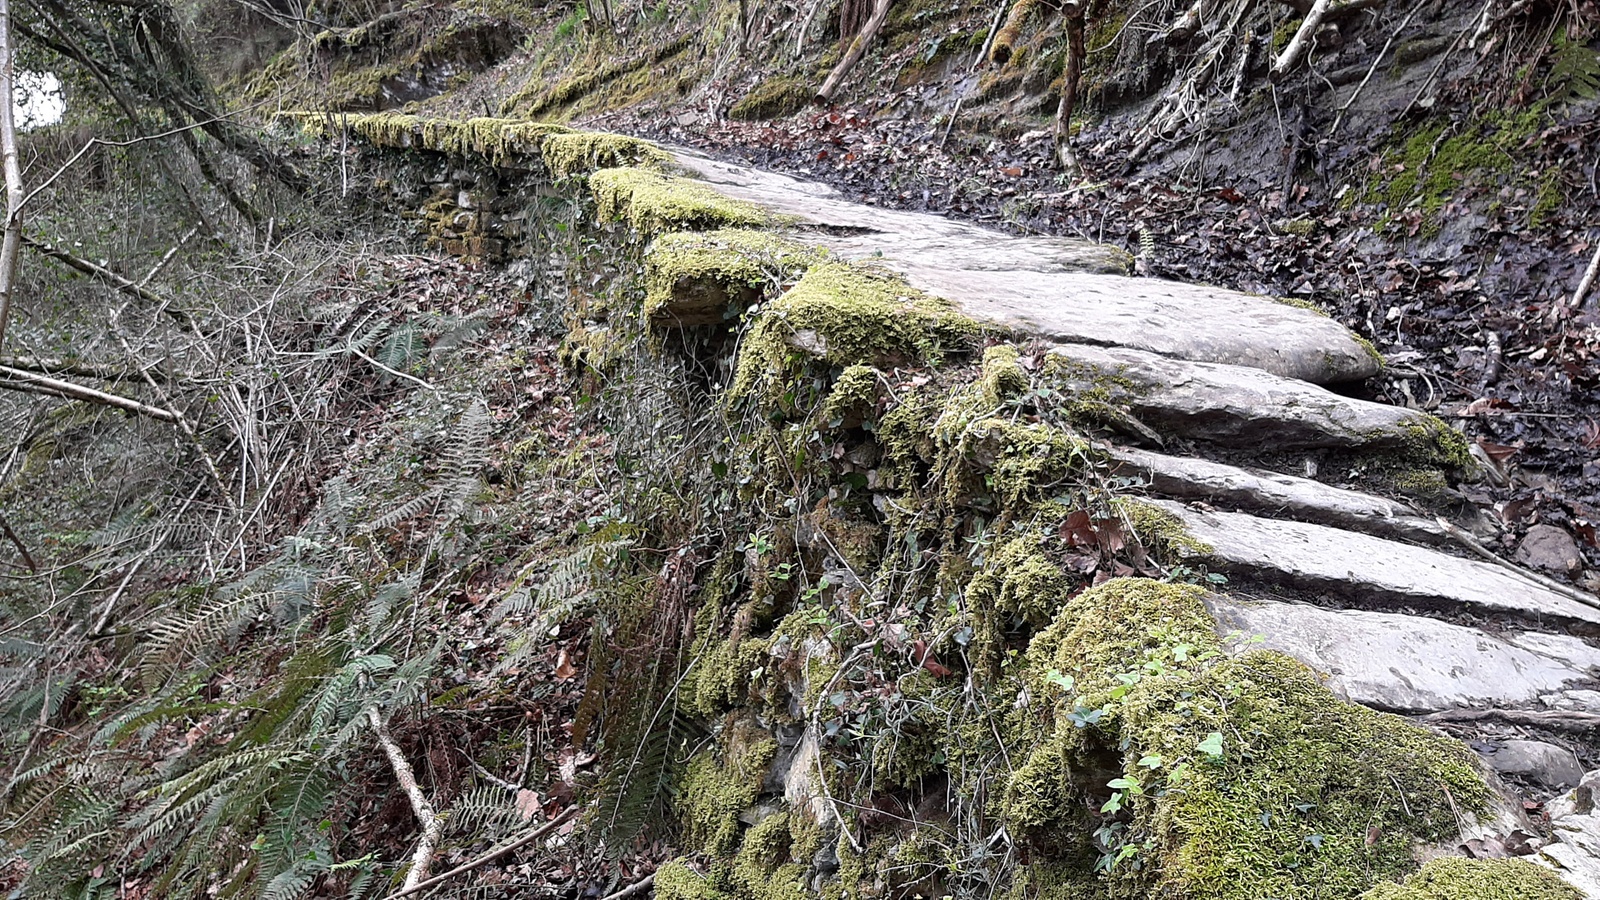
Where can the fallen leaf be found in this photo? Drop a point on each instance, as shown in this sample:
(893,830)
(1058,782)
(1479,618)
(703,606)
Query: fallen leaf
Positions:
(564,667)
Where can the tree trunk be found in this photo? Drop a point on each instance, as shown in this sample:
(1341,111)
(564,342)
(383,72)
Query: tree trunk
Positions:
(11,243)
(858,49)
(1076,52)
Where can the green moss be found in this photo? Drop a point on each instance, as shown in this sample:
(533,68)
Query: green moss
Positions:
(653,202)
(1438,164)
(1159,531)
(718,786)
(676,881)
(1430,441)
(853,397)
(1219,777)
(844,315)
(725,675)
(579,153)
(1298,303)
(1454,878)
(773,98)
(1027,462)
(766,867)
(497,141)
(687,273)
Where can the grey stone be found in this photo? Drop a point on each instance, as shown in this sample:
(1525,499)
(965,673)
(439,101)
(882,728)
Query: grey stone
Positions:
(1536,761)
(1282,495)
(1551,549)
(1234,405)
(1359,569)
(1058,288)
(1402,663)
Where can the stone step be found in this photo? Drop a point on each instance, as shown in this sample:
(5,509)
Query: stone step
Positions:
(1056,288)
(1353,569)
(1276,495)
(1247,408)
(1417,665)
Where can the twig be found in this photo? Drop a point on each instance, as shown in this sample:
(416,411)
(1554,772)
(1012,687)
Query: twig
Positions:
(1471,543)
(491,856)
(17,542)
(492,778)
(1339,119)
(637,887)
(50,366)
(41,384)
(1588,279)
(1297,45)
(432,823)
(167,257)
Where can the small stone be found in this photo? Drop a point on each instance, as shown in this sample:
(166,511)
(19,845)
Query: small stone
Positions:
(1545,764)
(1551,549)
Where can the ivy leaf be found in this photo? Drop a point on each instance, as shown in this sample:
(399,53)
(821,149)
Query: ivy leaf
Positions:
(1212,745)
(1063,681)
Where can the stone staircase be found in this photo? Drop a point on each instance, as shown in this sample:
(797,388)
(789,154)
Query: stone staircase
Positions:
(1402,610)
(1224,404)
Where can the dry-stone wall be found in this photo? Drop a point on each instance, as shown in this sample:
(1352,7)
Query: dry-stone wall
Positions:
(1064,582)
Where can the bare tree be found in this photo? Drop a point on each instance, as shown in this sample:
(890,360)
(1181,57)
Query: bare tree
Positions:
(12,241)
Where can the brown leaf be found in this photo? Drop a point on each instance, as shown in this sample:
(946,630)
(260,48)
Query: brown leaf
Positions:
(529,804)
(564,667)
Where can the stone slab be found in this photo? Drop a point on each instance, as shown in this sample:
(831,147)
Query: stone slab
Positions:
(1362,570)
(1057,288)
(1408,664)
(1235,406)
(1282,496)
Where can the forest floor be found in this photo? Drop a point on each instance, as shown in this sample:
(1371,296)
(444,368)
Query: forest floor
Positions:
(1470,310)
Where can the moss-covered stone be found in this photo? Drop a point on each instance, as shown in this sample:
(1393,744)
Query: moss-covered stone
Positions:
(1454,878)
(1160,531)
(654,202)
(698,277)
(1218,777)
(579,153)
(676,881)
(844,315)
(773,98)
(720,784)
(766,867)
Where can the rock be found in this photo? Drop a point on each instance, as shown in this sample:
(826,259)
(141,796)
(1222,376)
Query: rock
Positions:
(1551,549)
(1358,569)
(1237,406)
(1058,288)
(1538,762)
(1574,849)
(1406,664)
(1281,495)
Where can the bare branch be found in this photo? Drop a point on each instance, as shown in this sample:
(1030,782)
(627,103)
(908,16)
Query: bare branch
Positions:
(78,369)
(858,49)
(1302,37)
(111,278)
(491,856)
(432,824)
(18,380)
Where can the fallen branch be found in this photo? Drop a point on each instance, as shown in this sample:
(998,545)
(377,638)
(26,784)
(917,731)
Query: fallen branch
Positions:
(18,380)
(1560,720)
(1587,281)
(44,365)
(489,857)
(1550,584)
(95,270)
(430,820)
(637,887)
(1291,54)
(858,49)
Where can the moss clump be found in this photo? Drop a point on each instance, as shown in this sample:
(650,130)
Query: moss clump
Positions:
(695,276)
(853,398)
(1438,164)
(1159,530)
(1223,777)
(765,867)
(652,202)
(1024,463)
(1454,878)
(498,141)
(676,881)
(844,315)
(772,99)
(1431,442)
(580,153)
(717,787)
(725,675)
